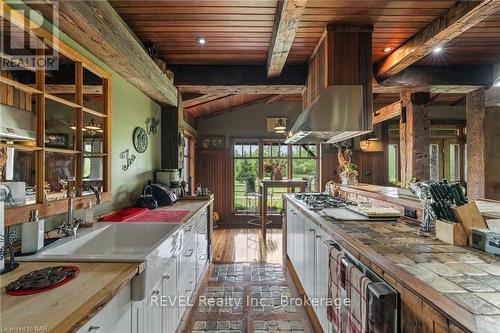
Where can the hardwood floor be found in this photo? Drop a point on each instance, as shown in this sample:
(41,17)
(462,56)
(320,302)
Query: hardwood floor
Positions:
(247,245)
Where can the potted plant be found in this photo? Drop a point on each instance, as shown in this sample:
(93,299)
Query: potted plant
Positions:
(348,171)
(246,174)
(275,167)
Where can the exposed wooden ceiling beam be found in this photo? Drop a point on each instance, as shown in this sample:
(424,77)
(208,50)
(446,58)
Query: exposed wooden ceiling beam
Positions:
(387,112)
(243,89)
(242,79)
(286,23)
(202,100)
(258,99)
(274,98)
(96,26)
(457,19)
(438,79)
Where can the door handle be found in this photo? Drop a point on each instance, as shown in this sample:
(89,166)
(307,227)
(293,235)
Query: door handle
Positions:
(318,236)
(94,329)
(156,292)
(311,230)
(166,277)
(188,253)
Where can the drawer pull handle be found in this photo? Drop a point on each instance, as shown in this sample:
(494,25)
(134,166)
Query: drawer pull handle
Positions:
(156,292)
(311,230)
(188,253)
(94,329)
(318,236)
(166,277)
(203,257)
(188,229)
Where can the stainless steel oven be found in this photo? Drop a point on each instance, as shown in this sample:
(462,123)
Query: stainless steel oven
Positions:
(382,302)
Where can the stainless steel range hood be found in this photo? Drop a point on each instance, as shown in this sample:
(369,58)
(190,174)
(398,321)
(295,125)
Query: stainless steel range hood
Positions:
(337,114)
(17,124)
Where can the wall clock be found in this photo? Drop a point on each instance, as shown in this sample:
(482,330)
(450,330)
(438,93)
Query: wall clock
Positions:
(140,139)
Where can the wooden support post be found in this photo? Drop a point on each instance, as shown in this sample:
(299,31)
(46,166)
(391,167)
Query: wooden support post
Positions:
(483,125)
(414,137)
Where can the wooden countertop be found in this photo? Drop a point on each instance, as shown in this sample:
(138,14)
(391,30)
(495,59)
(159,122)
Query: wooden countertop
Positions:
(68,307)
(488,208)
(461,283)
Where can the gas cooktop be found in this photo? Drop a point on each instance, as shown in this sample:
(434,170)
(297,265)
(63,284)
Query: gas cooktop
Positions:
(319,201)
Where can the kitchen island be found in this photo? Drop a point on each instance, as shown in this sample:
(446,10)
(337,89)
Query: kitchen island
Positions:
(101,295)
(443,288)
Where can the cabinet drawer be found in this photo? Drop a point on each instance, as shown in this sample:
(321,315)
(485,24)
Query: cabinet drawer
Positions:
(116,316)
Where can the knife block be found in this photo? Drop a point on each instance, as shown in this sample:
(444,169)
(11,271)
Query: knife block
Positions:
(452,233)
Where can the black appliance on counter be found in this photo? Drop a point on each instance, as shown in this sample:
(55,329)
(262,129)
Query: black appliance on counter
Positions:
(164,195)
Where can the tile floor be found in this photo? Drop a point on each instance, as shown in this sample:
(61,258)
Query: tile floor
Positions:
(246,297)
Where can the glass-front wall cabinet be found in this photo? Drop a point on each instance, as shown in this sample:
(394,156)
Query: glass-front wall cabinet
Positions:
(54,119)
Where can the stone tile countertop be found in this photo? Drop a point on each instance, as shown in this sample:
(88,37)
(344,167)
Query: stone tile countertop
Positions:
(436,271)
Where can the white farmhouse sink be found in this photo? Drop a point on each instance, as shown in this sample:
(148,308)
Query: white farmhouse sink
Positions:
(155,244)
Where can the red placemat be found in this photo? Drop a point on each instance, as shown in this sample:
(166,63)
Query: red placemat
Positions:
(76,270)
(160,215)
(124,214)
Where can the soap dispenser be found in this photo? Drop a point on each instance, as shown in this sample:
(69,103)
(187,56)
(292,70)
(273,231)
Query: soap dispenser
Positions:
(32,234)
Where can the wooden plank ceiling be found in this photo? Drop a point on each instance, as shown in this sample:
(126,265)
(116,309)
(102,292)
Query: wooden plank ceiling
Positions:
(240,32)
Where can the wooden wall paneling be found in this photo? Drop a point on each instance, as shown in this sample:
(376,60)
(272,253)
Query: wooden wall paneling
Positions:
(414,137)
(492,146)
(213,170)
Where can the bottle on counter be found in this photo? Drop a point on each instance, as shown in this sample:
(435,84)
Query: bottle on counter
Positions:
(32,234)
(88,218)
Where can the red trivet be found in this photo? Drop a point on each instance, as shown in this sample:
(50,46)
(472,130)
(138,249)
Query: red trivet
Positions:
(42,280)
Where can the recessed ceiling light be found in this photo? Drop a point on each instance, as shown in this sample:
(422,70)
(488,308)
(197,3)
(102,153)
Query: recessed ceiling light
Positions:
(437,49)
(202,41)
(387,49)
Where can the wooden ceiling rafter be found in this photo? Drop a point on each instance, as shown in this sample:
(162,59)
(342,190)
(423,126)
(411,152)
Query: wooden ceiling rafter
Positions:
(456,20)
(254,99)
(286,23)
(206,98)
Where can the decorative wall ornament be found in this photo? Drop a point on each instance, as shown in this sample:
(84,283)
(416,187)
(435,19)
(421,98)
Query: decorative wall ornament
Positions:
(128,160)
(152,125)
(140,139)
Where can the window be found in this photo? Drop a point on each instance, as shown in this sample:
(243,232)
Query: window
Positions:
(275,154)
(454,162)
(254,159)
(434,161)
(246,172)
(393,152)
(305,164)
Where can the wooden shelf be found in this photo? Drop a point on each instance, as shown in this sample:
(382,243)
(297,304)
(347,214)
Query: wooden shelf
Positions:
(20,86)
(62,150)
(62,101)
(96,113)
(20,147)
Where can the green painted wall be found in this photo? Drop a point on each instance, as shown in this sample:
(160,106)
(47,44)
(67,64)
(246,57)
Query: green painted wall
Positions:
(130,108)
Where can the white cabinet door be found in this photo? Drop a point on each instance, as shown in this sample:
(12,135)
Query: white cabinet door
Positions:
(153,310)
(309,257)
(298,249)
(321,277)
(170,304)
(290,211)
